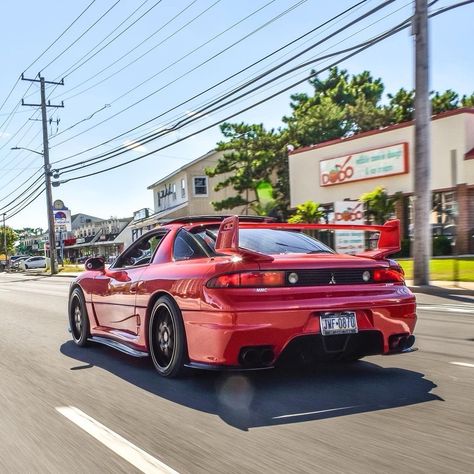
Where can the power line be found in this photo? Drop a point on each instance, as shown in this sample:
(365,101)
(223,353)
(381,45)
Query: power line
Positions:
(104,39)
(280,65)
(159,89)
(82,35)
(313,74)
(391,32)
(58,38)
(133,49)
(163,70)
(339,15)
(45,51)
(10,93)
(114,38)
(23,193)
(7,211)
(280,15)
(142,55)
(34,198)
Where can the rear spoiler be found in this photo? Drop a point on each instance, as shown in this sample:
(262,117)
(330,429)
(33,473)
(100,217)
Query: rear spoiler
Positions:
(228,236)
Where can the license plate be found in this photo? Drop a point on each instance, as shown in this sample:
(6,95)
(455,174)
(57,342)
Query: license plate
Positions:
(338,323)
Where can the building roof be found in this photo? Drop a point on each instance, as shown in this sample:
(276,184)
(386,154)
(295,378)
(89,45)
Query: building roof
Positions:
(184,167)
(469,155)
(442,115)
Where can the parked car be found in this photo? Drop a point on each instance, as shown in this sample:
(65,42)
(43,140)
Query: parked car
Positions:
(14,258)
(15,264)
(33,262)
(229,293)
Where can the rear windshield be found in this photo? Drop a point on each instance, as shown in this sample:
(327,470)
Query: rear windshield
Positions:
(268,241)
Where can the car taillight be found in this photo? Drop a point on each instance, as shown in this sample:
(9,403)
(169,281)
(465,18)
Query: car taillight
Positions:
(248,280)
(388,275)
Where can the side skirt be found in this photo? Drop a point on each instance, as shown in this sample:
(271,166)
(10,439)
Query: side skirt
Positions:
(118,346)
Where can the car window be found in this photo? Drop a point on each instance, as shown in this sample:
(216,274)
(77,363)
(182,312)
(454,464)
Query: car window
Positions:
(140,252)
(268,241)
(186,247)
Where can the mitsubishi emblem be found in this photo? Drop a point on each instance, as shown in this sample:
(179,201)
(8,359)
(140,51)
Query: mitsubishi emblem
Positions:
(332,281)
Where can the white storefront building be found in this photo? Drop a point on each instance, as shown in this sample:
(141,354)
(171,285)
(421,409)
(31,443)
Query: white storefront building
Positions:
(343,169)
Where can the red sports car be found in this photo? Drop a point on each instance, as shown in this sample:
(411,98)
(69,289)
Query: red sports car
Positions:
(244,293)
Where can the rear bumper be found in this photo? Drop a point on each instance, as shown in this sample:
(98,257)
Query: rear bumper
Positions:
(218,337)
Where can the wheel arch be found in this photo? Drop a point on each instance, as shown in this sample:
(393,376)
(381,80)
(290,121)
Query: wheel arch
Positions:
(151,302)
(87,301)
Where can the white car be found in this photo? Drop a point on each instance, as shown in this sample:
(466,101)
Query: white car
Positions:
(33,262)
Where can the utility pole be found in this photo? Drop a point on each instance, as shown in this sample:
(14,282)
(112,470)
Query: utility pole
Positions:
(422,245)
(47,166)
(5,241)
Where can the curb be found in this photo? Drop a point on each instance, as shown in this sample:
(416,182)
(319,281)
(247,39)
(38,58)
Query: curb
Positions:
(441,291)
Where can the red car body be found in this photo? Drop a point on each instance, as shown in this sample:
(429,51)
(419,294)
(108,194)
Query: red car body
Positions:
(265,320)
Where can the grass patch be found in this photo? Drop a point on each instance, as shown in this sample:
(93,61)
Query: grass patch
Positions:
(71,268)
(442,269)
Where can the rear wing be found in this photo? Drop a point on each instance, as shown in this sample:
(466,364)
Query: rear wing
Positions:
(228,235)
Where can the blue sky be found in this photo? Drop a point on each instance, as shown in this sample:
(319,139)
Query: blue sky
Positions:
(30,26)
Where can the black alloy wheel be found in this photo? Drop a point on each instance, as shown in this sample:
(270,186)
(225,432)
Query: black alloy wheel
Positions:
(167,338)
(78,318)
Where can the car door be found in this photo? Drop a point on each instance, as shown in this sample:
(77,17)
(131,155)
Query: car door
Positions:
(34,262)
(114,297)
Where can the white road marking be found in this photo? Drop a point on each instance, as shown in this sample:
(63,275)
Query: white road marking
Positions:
(313,412)
(463,364)
(128,451)
(469,309)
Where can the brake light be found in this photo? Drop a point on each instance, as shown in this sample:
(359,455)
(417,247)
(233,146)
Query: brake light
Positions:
(388,275)
(248,280)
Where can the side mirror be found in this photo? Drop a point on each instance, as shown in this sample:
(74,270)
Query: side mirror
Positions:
(95,264)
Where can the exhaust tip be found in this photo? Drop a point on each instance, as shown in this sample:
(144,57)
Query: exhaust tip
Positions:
(249,357)
(410,341)
(267,356)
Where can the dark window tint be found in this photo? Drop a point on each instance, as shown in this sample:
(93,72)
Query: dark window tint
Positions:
(269,241)
(186,247)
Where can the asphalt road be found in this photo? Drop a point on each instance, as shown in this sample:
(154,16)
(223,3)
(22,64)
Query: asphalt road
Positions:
(412,413)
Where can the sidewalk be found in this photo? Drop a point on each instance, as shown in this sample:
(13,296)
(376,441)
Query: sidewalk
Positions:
(443,287)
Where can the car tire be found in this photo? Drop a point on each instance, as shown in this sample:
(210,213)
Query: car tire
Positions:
(78,318)
(26,266)
(167,339)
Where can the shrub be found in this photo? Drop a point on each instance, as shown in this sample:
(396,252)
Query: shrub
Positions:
(441,246)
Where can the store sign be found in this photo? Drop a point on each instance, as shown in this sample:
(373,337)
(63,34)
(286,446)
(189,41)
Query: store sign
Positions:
(349,241)
(62,221)
(385,161)
(62,217)
(141,214)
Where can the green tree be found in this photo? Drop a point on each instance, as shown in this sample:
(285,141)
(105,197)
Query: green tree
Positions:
(467,100)
(341,105)
(309,212)
(379,205)
(401,105)
(252,155)
(11,239)
(448,100)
